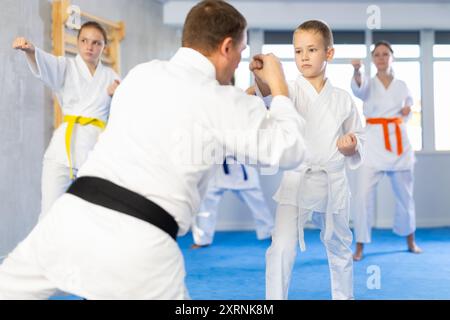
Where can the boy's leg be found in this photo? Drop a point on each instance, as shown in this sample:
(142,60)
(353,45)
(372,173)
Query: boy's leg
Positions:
(339,254)
(204,225)
(264,221)
(21,277)
(280,256)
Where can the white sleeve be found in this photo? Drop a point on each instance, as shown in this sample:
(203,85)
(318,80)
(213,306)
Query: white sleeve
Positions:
(262,137)
(268,99)
(49,69)
(116,75)
(409,102)
(362,92)
(353,125)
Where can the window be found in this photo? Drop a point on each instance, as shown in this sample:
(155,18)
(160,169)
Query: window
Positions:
(409,71)
(353,51)
(441,68)
(441,51)
(442,105)
(286,54)
(243,74)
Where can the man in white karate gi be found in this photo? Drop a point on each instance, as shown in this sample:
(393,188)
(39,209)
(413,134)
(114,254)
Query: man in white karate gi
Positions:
(112,235)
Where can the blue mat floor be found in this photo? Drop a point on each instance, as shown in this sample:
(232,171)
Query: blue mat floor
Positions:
(233,268)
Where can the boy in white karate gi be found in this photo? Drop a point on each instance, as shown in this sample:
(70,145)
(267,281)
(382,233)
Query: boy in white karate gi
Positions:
(387,108)
(83,87)
(333,137)
(243,181)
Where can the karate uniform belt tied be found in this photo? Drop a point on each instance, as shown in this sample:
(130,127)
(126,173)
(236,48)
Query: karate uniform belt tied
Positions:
(398,133)
(71,121)
(112,196)
(332,167)
(226,169)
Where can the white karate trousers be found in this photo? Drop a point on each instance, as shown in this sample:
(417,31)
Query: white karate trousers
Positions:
(95,253)
(204,225)
(365,196)
(54,183)
(280,256)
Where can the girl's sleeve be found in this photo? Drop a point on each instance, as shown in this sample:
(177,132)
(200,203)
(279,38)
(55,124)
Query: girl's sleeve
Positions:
(49,69)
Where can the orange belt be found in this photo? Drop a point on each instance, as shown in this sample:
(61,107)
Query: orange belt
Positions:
(398,133)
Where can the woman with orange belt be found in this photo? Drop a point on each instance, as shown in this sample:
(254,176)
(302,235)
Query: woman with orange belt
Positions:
(387,107)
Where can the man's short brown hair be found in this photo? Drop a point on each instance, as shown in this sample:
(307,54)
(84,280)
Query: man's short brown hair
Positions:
(321,27)
(209,23)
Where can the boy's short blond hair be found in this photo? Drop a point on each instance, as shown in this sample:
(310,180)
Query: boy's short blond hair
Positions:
(318,26)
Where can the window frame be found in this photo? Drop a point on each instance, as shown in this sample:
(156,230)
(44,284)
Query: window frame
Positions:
(438,37)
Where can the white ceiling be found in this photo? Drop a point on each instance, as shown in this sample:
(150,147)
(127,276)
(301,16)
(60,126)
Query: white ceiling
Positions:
(327,1)
(340,14)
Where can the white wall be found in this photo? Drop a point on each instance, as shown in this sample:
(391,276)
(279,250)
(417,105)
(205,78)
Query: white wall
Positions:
(432,193)
(432,197)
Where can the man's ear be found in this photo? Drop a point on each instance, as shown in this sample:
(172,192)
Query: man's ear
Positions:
(226,45)
(330,54)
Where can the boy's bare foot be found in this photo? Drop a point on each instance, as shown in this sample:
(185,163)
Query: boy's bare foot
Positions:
(197,246)
(412,246)
(358,255)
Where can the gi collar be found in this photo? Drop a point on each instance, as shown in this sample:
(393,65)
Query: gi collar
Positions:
(194,59)
(84,69)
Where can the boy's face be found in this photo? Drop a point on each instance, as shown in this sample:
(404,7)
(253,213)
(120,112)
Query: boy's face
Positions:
(311,55)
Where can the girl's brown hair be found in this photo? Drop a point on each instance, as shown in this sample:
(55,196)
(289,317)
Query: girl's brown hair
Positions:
(95,25)
(383,43)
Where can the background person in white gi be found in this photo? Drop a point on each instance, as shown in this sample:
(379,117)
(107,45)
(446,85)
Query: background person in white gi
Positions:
(319,187)
(243,181)
(96,241)
(83,87)
(387,107)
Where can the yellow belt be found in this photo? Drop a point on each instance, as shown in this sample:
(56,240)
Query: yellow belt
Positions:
(71,121)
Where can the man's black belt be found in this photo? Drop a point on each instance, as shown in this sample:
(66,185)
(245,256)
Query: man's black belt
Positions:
(109,195)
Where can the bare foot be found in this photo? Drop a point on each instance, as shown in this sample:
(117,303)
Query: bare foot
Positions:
(412,246)
(415,249)
(359,252)
(197,246)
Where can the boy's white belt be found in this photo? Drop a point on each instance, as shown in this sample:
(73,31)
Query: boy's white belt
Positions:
(304,169)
